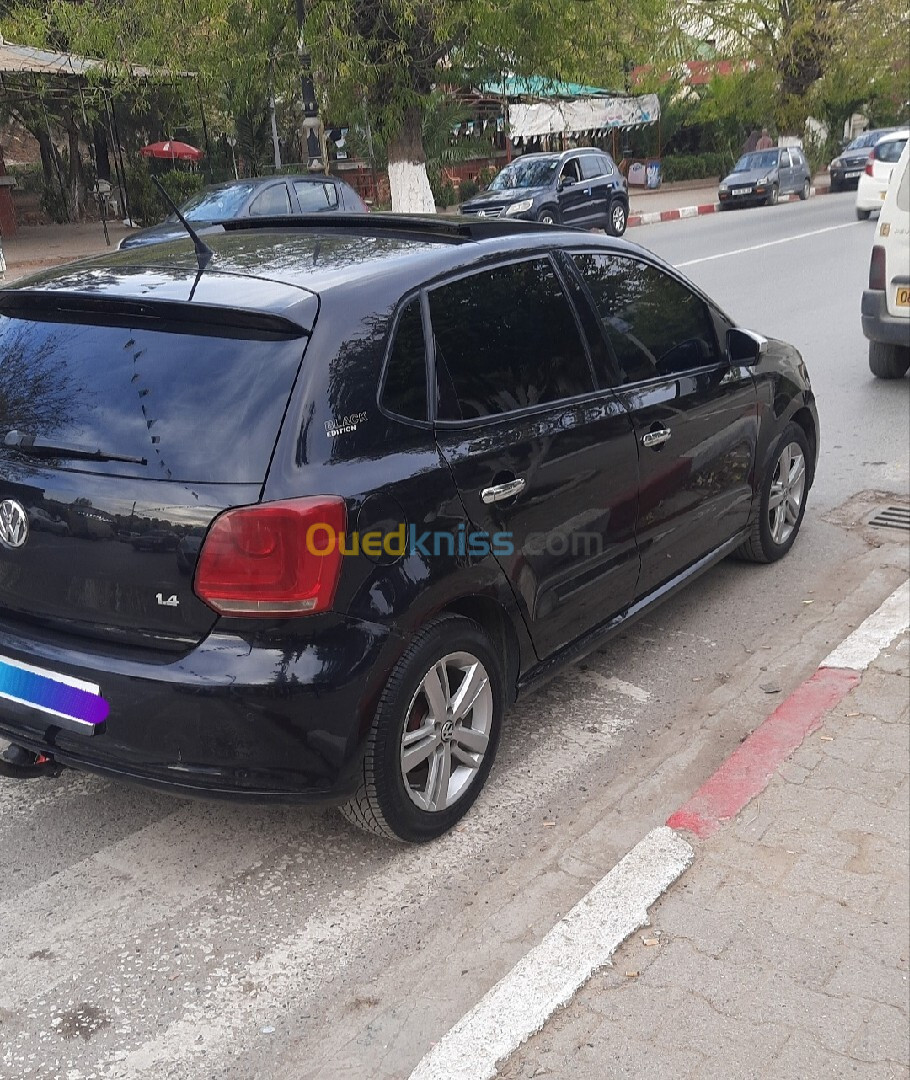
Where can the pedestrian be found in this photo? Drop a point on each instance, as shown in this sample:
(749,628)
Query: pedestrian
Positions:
(765,142)
(750,144)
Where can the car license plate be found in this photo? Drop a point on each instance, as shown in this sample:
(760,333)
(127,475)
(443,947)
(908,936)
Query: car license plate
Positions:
(852,175)
(75,705)
(903,296)
(740,191)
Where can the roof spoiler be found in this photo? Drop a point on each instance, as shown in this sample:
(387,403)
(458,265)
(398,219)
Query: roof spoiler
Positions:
(211,320)
(455,229)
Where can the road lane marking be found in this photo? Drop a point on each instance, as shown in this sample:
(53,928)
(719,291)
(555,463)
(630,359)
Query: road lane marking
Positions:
(767,244)
(857,651)
(549,975)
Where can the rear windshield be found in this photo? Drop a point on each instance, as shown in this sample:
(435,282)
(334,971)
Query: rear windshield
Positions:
(193,408)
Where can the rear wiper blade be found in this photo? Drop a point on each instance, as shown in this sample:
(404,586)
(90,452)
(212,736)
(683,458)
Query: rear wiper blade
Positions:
(34,447)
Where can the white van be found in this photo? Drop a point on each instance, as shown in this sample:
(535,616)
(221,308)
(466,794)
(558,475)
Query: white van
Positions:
(886,303)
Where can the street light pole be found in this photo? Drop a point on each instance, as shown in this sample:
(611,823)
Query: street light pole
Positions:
(312,124)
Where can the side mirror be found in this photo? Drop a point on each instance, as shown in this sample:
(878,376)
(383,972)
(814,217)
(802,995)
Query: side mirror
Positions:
(745,346)
(564,182)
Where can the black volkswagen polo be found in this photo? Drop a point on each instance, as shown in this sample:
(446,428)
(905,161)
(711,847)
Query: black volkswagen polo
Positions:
(299,521)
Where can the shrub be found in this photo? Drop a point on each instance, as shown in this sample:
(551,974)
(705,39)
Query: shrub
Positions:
(695,166)
(146,205)
(441,186)
(467,189)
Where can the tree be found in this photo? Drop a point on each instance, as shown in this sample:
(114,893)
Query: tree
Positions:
(383,58)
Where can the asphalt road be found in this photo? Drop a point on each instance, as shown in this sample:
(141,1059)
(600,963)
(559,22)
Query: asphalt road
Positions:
(145,937)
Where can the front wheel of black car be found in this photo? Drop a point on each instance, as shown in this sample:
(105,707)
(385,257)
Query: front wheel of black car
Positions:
(434,735)
(617,219)
(888,361)
(548,215)
(783,499)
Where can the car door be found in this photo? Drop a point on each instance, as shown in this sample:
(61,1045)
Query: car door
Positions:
(273,201)
(572,194)
(785,172)
(545,464)
(596,186)
(694,414)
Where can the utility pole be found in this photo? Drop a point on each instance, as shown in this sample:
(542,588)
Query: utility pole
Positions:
(312,124)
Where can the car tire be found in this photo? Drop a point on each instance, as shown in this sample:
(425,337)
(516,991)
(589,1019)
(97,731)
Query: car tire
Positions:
(862,215)
(436,665)
(781,503)
(804,190)
(548,215)
(773,195)
(617,218)
(888,361)
(836,186)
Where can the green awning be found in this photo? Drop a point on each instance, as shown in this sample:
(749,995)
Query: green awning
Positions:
(538,87)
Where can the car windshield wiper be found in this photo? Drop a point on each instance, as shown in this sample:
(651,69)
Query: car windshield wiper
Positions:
(34,447)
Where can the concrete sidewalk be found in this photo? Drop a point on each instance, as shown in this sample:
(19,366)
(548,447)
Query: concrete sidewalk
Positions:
(783,952)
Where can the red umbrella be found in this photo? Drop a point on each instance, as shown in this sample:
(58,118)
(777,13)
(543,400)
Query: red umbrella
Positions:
(172,151)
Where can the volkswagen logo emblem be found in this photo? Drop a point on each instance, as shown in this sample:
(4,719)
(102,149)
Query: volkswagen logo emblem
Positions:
(13,524)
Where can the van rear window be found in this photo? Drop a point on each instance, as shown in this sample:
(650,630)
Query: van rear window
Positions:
(194,408)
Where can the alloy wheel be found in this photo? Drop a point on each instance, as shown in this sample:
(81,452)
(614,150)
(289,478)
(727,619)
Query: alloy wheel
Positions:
(447,731)
(788,488)
(618,219)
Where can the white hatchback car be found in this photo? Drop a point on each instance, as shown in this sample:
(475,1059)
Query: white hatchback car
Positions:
(886,303)
(870,191)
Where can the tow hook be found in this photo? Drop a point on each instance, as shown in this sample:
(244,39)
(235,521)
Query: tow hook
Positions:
(17,763)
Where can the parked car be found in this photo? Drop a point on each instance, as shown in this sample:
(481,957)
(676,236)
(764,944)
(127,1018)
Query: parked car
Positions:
(886,303)
(873,184)
(847,167)
(432,460)
(581,187)
(762,176)
(263,196)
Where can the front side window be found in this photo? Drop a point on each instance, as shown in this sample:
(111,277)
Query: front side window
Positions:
(404,390)
(506,339)
(656,325)
(273,202)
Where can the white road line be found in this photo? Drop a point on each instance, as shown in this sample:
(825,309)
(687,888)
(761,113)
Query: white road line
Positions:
(767,244)
(547,977)
(857,651)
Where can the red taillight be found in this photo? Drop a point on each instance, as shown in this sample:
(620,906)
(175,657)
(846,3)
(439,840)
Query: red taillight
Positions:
(877,278)
(869,160)
(275,559)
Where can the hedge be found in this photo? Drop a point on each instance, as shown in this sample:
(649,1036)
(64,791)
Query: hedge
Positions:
(695,166)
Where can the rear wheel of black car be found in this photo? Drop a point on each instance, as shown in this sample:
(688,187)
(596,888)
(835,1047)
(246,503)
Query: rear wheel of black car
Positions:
(888,361)
(804,190)
(773,195)
(548,215)
(783,499)
(617,219)
(434,735)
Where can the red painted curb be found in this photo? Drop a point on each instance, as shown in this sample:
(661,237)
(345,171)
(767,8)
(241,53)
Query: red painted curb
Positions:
(669,215)
(747,771)
(633,220)
(706,208)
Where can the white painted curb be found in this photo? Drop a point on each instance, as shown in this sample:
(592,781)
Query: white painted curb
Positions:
(857,651)
(550,974)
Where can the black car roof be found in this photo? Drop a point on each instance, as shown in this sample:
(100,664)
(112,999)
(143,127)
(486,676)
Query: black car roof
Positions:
(274,264)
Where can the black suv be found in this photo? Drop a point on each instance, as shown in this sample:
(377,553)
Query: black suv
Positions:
(582,188)
(403,467)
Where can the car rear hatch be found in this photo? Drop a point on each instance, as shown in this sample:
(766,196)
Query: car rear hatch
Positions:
(126,427)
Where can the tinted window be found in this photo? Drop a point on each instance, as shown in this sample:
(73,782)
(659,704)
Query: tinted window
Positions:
(215,204)
(591,166)
(273,201)
(785,160)
(315,196)
(405,388)
(506,339)
(891,150)
(196,408)
(655,324)
(606,165)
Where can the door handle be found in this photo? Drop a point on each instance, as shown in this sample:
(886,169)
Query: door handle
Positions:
(498,492)
(656,438)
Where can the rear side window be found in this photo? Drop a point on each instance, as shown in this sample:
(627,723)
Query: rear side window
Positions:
(315,196)
(404,389)
(506,339)
(890,150)
(656,325)
(606,165)
(273,202)
(196,408)
(591,166)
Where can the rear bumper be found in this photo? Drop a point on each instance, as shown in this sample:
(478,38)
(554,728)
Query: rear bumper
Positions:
(266,719)
(879,324)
